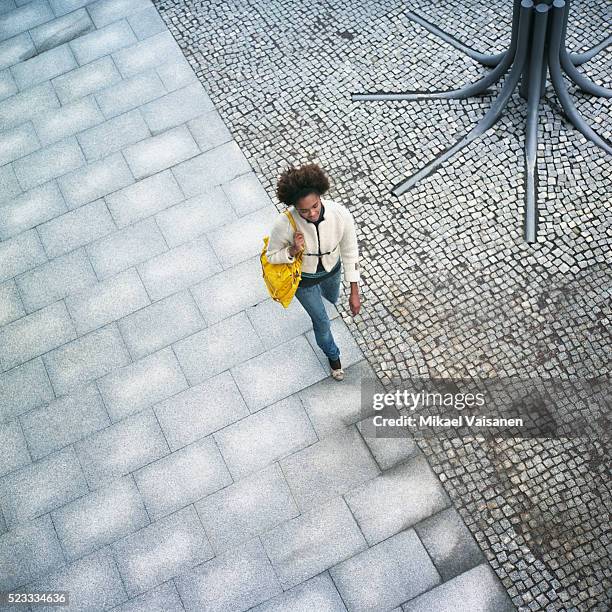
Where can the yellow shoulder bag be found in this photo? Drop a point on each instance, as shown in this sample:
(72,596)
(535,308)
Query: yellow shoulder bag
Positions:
(283,279)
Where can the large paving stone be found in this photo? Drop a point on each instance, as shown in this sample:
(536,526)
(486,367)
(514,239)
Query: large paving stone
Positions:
(160,324)
(27,105)
(181,478)
(16,49)
(146,22)
(99,518)
(24,388)
(329,468)
(34,335)
(217,348)
(15,453)
(103,41)
(104,12)
(20,253)
(121,448)
(311,543)
(208,130)
(176,73)
(11,307)
(86,80)
(61,30)
(107,301)
(257,441)
(45,66)
(164,549)
(232,582)
(41,487)
(56,280)
(147,54)
(9,185)
(144,198)
(18,142)
(190,219)
(246,194)
(399,498)
(247,508)
(164,598)
(318,593)
(31,209)
(28,551)
(477,590)
(8,86)
(145,382)
(64,420)
(93,582)
(85,359)
(200,410)
(62,7)
(278,373)
(385,575)
(24,17)
(449,543)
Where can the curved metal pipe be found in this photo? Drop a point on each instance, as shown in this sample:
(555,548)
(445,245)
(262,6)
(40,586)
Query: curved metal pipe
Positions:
(556,77)
(493,113)
(589,54)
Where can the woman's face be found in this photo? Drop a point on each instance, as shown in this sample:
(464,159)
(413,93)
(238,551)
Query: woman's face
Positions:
(309,207)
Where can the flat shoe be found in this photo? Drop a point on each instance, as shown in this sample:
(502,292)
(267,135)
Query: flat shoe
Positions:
(338,374)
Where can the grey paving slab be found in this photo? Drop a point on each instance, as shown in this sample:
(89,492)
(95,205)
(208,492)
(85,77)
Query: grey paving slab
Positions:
(103,41)
(43,67)
(177,108)
(55,280)
(68,120)
(350,353)
(313,542)
(9,186)
(96,180)
(107,301)
(449,543)
(104,12)
(277,373)
(76,228)
(20,253)
(214,167)
(28,551)
(399,498)
(263,438)
(17,142)
(121,448)
(41,487)
(61,30)
(234,581)
(86,80)
(125,248)
(208,130)
(34,335)
(142,383)
(7,5)
(7,84)
(61,7)
(16,49)
(166,548)
(130,93)
(48,163)
(200,410)
(64,420)
(478,590)
(160,324)
(85,359)
(147,53)
(164,598)
(24,388)
(385,575)
(188,220)
(160,152)
(27,104)
(146,22)
(181,478)
(113,135)
(23,18)
(93,582)
(230,291)
(318,593)
(144,198)
(176,73)
(246,194)
(11,306)
(217,348)
(100,517)
(30,209)
(329,468)
(247,508)
(14,448)
(178,268)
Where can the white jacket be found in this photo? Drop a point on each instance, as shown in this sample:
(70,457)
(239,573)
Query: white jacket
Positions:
(336,233)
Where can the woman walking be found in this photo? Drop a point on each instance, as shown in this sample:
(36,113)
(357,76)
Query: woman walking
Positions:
(325,235)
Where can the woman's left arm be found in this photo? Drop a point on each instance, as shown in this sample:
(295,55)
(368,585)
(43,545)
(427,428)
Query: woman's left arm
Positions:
(349,251)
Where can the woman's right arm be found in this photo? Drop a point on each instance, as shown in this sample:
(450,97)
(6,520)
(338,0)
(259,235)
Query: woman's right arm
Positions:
(281,241)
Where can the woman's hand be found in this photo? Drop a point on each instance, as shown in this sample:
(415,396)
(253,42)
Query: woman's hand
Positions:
(354,299)
(298,243)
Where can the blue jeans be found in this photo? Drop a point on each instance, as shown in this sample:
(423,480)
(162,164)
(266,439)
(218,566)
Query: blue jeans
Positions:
(311,299)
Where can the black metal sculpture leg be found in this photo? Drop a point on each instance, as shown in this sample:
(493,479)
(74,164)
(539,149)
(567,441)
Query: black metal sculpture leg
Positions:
(589,54)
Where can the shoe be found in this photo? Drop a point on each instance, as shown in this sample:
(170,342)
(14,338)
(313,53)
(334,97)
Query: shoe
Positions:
(336,369)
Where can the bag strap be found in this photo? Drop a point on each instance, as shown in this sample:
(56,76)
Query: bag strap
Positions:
(291,220)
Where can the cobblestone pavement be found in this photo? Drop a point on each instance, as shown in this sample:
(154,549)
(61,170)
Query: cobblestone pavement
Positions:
(450,288)
(170,439)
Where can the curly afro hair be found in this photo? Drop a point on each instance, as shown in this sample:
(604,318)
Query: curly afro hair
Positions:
(295,183)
